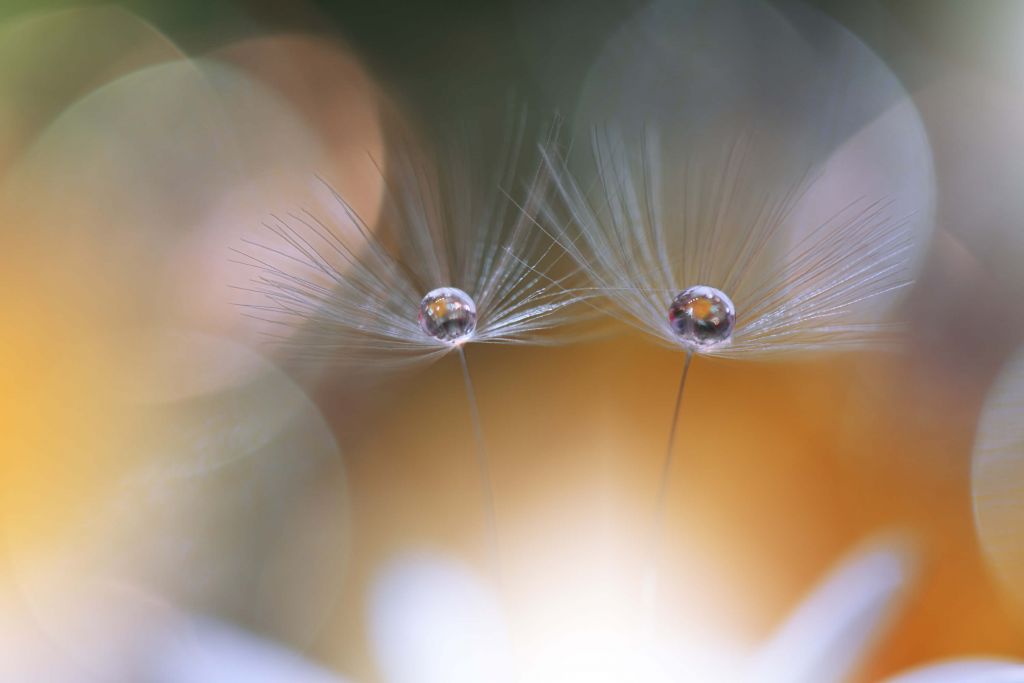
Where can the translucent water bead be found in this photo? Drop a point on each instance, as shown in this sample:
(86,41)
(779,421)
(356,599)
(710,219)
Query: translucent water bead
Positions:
(703,317)
(448,314)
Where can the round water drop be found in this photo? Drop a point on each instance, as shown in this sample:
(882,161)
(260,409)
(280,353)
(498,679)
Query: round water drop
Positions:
(703,317)
(448,314)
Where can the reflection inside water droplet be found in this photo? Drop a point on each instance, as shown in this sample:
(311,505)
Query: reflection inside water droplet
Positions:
(448,314)
(702,317)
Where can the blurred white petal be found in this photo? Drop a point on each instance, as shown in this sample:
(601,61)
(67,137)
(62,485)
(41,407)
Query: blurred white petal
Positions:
(833,630)
(206,651)
(965,671)
(434,621)
(609,660)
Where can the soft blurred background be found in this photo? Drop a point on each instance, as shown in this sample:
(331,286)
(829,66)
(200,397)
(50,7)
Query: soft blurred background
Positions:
(166,479)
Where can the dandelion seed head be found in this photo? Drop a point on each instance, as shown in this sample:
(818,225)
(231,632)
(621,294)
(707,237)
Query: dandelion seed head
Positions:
(702,317)
(448,314)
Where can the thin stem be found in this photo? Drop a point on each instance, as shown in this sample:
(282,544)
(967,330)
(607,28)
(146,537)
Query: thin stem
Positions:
(651,580)
(487,488)
(666,468)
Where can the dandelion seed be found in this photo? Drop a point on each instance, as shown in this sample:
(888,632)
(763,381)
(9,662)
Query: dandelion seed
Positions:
(702,238)
(454,260)
(733,200)
(694,249)
(453,257)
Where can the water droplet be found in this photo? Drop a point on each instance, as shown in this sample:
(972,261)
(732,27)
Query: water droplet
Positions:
(703,317)
(448,314)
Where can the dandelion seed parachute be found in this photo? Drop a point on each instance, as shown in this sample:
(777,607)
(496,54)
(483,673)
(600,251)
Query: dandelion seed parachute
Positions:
(452,259)
(806,204)
(693,233)
(747,182)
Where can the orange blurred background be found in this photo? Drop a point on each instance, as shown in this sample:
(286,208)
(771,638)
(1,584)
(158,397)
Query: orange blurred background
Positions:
(131,169)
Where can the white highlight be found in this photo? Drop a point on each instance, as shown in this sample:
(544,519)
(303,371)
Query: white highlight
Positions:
(434,621)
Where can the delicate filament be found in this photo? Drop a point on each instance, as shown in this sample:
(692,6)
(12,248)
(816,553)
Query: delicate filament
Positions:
(666,468)
(651,580)
(486,486)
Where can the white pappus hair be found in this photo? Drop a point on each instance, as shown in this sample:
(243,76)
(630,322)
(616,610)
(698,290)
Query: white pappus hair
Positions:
(657,219)
(451,218)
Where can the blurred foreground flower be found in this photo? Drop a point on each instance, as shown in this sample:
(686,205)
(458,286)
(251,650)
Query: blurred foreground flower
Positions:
(161,647)
(207,650)
(432,621)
